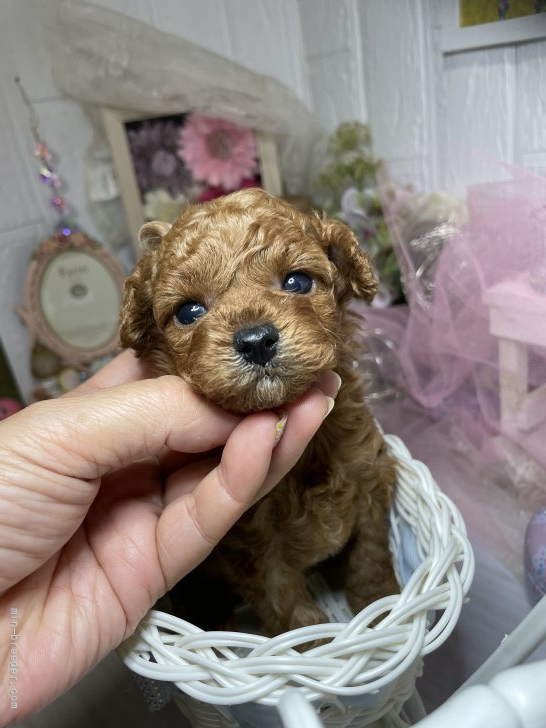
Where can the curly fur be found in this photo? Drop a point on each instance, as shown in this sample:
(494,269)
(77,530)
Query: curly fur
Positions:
(232,255)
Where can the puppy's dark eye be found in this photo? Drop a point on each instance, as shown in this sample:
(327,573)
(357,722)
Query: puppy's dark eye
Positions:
(188,312)
(297,282)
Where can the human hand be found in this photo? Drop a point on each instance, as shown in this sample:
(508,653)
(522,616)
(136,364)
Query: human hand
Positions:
(108,497)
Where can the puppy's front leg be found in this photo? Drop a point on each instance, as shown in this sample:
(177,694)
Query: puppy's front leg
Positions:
(370,574)
(281,599)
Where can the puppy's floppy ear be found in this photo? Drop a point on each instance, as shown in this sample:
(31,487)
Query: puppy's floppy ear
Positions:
(137,324)
(151,234)
(353,264)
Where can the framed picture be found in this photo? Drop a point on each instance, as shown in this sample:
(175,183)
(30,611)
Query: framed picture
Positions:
(73,295)
(472,24)
(164,163)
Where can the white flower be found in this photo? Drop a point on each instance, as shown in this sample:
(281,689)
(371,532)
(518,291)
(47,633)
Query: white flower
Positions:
(161,205)
(351,211)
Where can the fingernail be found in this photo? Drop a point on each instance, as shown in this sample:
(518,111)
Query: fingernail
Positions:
(331,404)
(330,383)
(281,424)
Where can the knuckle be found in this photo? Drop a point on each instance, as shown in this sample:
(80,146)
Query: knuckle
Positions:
(202,532)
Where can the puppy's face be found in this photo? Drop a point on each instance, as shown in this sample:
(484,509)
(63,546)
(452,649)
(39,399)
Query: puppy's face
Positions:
(243,298)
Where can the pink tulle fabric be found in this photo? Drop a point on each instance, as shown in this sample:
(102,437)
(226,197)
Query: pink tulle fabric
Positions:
(448,359)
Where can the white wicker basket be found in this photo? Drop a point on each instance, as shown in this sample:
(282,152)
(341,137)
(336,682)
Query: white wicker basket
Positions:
(363,674)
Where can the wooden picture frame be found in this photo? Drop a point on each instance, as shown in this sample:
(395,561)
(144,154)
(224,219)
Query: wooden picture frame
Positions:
(117,124)
(456,39)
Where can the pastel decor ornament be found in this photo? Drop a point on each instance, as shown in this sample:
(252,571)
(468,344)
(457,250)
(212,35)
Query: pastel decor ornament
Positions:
(535,555)
(8,407)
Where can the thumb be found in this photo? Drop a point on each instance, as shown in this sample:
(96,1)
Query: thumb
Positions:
(92,434)
(53,454)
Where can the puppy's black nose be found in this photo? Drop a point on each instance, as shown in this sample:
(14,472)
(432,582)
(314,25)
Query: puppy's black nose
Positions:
(257,344)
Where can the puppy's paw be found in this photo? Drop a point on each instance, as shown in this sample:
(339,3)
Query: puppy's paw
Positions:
(303,614)
(306,614)
(365,594)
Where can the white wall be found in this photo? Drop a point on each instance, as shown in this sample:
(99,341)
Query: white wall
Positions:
(333,56)
(401,60)
(424,107)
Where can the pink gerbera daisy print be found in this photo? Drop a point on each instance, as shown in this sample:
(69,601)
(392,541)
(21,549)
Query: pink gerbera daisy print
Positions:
(217,152)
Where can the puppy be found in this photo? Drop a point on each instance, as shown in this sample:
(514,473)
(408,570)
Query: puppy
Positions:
(246,298)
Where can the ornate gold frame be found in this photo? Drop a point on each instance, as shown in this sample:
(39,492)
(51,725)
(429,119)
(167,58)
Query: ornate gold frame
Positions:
(32,313)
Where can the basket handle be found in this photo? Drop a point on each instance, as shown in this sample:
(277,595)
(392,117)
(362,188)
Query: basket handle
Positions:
(296,712)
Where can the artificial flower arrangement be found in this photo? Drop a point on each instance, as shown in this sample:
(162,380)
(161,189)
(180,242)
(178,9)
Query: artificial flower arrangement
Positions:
(420,225)
(403,231)
(347,189)
(188,158)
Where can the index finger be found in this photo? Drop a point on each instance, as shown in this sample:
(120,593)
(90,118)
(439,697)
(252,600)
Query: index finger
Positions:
(124,368)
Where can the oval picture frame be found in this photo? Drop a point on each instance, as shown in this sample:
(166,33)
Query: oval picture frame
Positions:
(73,295)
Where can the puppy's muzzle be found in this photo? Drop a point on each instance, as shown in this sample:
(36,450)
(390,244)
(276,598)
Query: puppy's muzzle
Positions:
(257,344)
